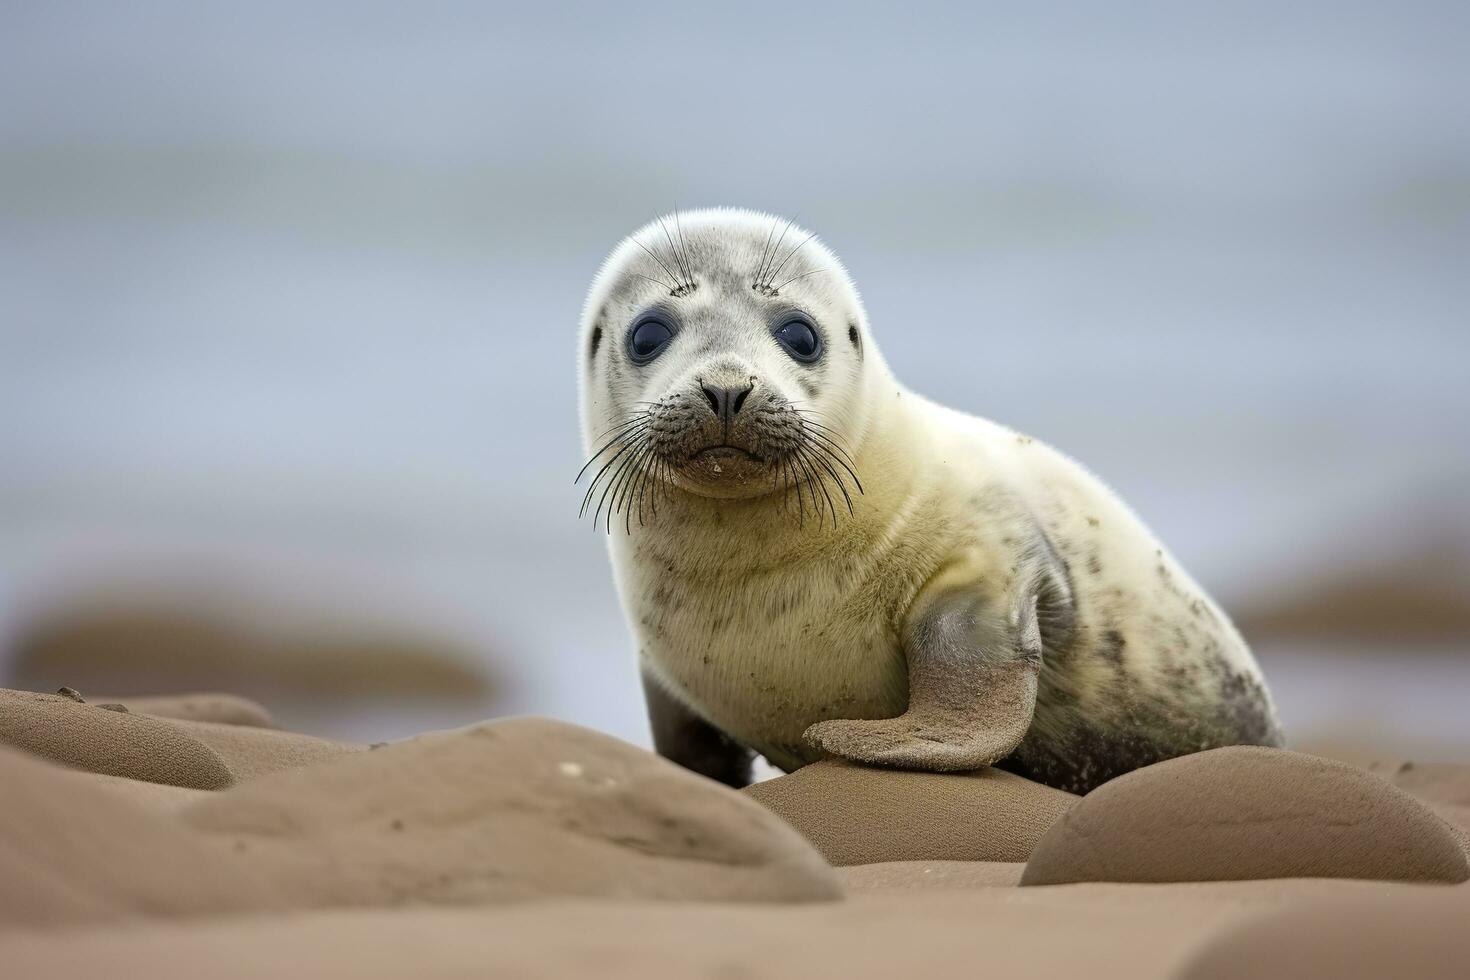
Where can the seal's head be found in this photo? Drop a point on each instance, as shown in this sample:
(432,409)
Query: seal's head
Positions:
(723,354)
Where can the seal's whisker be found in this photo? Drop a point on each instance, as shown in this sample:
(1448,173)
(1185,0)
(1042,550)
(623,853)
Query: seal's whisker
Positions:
(808,420)
(630,420)
(625,506)
(592,487)
(821,483)
(684,246)
(796,486)
(656,282)
(770,232)
(625,477)
(612,481)
(660,262)
(814,272)
(661,485)
(652,487)
(777,271)
(811,414)
(621,437)
(836,453)
(686,283)
(615,433)
(597,514)
(830,441)
(806,479)
(639,486)
(762,280)
(612,486)
(820,453)
(828,435)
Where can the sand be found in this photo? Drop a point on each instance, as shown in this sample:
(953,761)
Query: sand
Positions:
(1248,812)
(531,848)
(1097,931)
(860,815)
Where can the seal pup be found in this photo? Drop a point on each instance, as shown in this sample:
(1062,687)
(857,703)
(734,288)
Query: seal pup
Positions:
(816,561)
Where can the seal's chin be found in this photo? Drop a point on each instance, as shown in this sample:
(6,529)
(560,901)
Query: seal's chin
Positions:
(726,471)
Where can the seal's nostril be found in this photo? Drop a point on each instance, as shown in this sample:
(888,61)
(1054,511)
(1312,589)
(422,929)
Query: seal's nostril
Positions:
(740,398)
(715,397)
(725,402)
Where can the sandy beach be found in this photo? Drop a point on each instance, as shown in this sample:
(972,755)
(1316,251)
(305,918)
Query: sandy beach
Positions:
(185,837)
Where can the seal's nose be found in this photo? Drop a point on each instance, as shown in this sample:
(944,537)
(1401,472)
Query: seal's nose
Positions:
(725,402)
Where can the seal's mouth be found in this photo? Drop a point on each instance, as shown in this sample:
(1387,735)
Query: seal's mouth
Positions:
(674,446)
(727,451)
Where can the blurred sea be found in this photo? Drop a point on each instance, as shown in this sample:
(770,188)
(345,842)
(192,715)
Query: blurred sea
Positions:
(288,294)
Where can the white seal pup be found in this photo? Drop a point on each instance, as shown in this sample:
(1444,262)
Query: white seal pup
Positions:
(814,560)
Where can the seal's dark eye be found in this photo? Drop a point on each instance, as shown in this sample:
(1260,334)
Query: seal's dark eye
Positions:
(648,338)
(800,340)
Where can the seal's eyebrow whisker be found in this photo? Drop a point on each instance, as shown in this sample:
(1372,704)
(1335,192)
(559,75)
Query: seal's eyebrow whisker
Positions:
(686,284)
(777,271)
(651,255)
(684,245)
(656,282)
(766,247)
(761,279)
(814,272)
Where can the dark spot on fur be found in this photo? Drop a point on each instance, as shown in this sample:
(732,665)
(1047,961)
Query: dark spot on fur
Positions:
(1111,647)
(596,340)
(852,335)
(1078,753)
(1094,564)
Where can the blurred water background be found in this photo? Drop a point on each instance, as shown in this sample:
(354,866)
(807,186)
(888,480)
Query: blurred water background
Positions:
(288,295)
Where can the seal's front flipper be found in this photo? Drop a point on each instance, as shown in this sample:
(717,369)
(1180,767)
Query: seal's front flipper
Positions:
(972,688)
(681,736)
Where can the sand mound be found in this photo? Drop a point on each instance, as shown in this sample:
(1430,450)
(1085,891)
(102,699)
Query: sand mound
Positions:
(518,809)
(860,815)
(152,796)
(108,740)
(250,752)
(225,709)
(1421,936)
(515,809)
(1444,786)
(1247,812)
(74,852)
(115,743)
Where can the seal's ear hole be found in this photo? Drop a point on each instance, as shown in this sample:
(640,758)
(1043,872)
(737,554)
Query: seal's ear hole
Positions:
(852,335)
(596,339)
